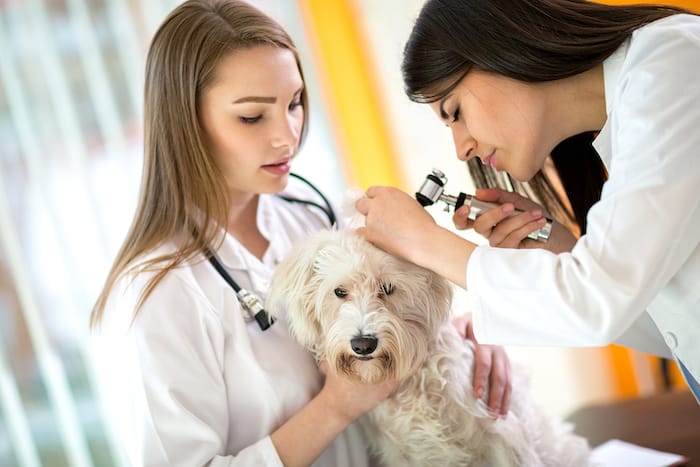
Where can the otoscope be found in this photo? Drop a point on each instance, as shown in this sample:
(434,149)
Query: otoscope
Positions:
(432,190)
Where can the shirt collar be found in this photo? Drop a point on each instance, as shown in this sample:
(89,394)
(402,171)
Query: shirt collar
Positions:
(233,255)
(612,67)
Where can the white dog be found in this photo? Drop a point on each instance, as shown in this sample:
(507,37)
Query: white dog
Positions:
(373,317)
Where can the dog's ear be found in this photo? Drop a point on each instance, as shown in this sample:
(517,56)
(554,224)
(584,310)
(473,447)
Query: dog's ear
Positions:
(293,287)
(437,301)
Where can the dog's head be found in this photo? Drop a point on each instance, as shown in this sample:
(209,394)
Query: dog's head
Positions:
(371,315)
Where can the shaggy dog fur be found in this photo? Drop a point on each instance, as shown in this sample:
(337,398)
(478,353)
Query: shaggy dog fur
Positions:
(373,316)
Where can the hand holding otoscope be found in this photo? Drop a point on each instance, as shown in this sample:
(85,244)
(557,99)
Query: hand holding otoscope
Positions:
(432,190)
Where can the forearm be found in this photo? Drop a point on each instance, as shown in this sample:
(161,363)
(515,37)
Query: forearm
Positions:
(302,439)
(444,253)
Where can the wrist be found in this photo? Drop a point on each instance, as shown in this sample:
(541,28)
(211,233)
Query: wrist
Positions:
(426,243)
(338,413)
(444,253)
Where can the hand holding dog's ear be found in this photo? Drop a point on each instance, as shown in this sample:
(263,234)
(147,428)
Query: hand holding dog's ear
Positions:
(394,221)
(491,369)
(348,398)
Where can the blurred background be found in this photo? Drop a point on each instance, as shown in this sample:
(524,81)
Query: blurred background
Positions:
(70,160)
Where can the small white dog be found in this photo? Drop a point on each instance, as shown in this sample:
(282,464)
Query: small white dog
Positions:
(373,317)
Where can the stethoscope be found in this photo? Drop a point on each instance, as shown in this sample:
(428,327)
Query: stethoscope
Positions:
(251,305)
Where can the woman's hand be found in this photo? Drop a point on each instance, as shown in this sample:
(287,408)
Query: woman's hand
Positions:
(349,399)
(395,222)
(302,438)
(504,229)
(491,369)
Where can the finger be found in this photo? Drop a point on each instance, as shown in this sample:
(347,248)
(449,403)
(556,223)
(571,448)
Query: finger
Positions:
(498,195)
(460,323)
(490,194)
(482,369)
(513,226)
(461,218)
(515,238)
(372,191)
(362,206)
(505,402)
(486,221)
(498,382)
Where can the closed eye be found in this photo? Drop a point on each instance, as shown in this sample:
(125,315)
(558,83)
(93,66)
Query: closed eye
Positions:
(456,114)
(387,288)
(250,120)
(295,104)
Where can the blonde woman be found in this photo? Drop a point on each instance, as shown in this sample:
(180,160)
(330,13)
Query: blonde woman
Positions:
(188,380)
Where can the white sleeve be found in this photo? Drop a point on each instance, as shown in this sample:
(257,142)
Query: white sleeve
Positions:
(640,233)
(163,381)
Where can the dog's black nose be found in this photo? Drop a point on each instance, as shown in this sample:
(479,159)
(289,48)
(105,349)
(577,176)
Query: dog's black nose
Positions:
(363,345)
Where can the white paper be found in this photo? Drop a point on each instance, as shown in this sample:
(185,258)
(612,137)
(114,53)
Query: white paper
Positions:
(617,453)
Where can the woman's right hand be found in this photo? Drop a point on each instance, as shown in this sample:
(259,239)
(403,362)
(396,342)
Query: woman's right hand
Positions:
(349,398)
(302,438)
(505,230)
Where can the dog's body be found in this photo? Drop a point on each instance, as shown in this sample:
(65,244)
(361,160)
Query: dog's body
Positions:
(373,317)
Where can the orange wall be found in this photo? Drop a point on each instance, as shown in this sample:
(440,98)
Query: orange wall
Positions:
(689,4)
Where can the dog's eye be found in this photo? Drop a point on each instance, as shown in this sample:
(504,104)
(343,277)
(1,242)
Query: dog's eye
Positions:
(340,292)
(387,289)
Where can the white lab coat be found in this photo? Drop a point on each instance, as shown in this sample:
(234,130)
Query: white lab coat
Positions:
(190,383)
(642,246)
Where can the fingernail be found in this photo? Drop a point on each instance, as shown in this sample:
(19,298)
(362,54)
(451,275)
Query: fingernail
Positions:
(508,208)
(536,213)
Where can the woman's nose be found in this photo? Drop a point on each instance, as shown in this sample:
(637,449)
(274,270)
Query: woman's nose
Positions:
(464,143)
(287,132)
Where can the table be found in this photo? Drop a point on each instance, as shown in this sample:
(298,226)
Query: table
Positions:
(668,422)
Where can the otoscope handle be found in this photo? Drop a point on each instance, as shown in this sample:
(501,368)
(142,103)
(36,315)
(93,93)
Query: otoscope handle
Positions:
(432,190)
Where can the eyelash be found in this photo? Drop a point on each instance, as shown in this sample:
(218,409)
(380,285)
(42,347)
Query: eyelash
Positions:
(455,115)
(252,120)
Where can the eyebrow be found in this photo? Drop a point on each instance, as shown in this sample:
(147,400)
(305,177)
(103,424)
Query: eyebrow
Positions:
(262,99)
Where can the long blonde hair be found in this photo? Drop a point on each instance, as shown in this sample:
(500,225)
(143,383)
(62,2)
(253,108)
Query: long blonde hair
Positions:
(183,196)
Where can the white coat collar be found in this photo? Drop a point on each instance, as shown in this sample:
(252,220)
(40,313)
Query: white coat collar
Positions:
(612,67)
(234,256)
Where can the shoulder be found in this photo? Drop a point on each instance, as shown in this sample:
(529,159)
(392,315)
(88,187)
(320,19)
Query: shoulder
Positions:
(176,296)
(657,71)
(671,41)
(682,25)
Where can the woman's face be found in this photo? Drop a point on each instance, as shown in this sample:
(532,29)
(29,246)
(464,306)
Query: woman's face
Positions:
(252,116)
(500,120)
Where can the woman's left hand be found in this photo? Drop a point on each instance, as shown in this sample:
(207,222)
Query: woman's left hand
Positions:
(505,228)
(491,369)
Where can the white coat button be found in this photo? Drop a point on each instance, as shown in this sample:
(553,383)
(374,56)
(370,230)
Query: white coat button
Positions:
(671,340)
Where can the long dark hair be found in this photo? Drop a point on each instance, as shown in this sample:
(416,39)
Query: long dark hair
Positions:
(531,41)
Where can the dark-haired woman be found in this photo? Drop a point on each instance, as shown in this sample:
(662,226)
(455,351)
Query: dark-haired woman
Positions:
(612,94)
